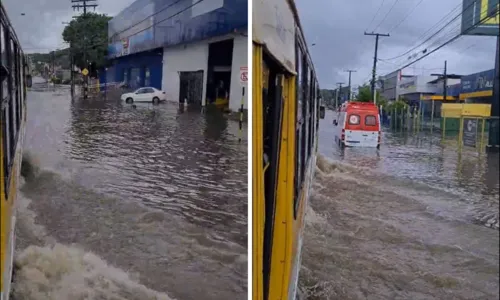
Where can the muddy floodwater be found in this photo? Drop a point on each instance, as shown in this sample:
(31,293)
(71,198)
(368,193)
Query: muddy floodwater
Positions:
(131,203)
(414,220)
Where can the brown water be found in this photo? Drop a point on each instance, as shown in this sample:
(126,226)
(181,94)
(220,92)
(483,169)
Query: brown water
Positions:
(144,203)
(401,223)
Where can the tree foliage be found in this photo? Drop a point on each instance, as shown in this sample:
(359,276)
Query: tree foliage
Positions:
(365,95)
(88,38)
(59,57)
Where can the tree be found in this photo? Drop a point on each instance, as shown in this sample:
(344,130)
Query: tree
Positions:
(365,95)
(88,37)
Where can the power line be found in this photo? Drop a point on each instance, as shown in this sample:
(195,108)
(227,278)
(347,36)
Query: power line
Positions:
(374,16)
(450,40)
(428,30)
(447,35)
(145,19)
(407,15)
(386,15)
(156,23)
(430,37)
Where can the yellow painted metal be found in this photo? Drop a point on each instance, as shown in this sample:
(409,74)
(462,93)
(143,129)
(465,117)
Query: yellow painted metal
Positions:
(444,128)
(461,133)
(7,204)
(494,20)
(479,94)
(282,237)
(456,110)
(483,127)
(258,203)
(438,98)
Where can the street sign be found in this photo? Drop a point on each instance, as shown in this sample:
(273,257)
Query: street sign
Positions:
(470,132)
(85,72)
(480,17)
(243,75)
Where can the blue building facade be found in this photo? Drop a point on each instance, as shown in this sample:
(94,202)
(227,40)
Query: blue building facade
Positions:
(138,34)
(478,82)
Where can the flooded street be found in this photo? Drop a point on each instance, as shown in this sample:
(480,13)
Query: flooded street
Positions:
(144,203)
(414,220)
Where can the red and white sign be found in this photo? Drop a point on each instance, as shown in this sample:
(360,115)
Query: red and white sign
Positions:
(243,75)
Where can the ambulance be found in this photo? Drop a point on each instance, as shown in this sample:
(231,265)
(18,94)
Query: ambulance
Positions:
(357,124)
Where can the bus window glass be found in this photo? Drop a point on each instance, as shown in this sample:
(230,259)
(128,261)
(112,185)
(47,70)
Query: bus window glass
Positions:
(2,44)
(370,120)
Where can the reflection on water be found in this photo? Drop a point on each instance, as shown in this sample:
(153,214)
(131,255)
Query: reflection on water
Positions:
(468,174)
(156,190)
(412,220)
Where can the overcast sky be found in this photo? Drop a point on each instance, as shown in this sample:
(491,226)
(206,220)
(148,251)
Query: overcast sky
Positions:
(337,27)
(41,27)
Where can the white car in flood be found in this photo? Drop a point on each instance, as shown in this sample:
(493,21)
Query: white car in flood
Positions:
(145,94)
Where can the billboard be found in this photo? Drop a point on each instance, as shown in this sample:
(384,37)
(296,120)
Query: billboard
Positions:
(478,82)
(476,12)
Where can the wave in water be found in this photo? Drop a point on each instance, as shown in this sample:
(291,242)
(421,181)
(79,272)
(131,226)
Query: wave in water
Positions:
(64,272)
(370,236)
(46,270)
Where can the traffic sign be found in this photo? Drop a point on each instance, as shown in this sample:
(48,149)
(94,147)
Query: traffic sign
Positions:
(243,75)
(470,132)
(85,72)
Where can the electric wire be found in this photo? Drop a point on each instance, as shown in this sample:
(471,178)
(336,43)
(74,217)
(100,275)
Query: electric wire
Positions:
(386,15)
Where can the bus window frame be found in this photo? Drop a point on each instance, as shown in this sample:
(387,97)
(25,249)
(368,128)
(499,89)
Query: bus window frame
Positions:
(298,128)
(10,100)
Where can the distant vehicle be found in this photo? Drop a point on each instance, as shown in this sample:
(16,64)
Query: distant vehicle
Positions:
(357,124)
(145,94)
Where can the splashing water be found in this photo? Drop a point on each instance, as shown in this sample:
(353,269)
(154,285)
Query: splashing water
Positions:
(62,272)
(377,237)
(46,270)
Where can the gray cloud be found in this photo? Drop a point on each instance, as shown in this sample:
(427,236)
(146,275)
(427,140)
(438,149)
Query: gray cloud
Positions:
(41,27)
(337,28)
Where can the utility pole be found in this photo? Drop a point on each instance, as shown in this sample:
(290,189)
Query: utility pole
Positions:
(53,63)
(339,93)
(77,4)
(349,92)
(84,5)
(374,70)
(444,76)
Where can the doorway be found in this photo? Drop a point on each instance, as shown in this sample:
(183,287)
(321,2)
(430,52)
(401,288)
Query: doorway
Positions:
(191,87)
(220,59)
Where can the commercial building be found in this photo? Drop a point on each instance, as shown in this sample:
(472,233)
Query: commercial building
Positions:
(389,85)
(190,49)
(478,87)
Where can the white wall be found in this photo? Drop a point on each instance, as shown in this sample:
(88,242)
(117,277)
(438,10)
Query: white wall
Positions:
(183,58)
(194,57)
(240,59)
